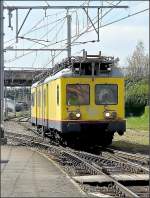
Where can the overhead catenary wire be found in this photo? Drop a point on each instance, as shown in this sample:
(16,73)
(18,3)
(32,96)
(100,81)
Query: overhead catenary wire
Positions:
(89,27)
(60,52)
(52,28)
(129,15)
(46,40)
(36,40)
(105,14)
(110,3)
(30,52)
(54,56)
(87,31)
(58,32)
(33,40)
(43,26)
(34,59)
(47,3)
(83,42)
(48,16)
(29,47)
(37,24)
(31,30)
(33,45)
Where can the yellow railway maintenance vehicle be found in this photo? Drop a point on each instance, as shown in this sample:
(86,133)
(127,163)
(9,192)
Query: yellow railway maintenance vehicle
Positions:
(81,99)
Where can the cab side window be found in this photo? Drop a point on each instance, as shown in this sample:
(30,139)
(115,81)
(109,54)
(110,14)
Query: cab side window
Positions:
(57,94)
(32,99)
(44,97)
(38,98)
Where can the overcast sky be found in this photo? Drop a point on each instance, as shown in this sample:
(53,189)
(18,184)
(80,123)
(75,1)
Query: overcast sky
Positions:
(118,39)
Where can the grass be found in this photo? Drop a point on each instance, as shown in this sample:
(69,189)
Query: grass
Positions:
(132,141)
(136,137)
(139,123)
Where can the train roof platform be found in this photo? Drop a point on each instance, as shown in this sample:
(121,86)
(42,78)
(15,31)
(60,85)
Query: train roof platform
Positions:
(27,173)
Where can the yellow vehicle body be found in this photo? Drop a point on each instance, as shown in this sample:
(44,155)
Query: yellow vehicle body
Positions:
(33,105)
(91,105)
(49,112)
(92,112)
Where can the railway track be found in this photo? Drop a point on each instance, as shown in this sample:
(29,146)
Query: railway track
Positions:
(99,175)
(24,119)
(140,159)
(19,118)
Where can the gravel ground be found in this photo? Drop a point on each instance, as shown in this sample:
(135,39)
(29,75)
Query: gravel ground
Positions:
(12,126)
(123,144)
(131,141)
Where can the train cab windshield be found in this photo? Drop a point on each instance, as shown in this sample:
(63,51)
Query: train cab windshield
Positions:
(106,94)
(78,94)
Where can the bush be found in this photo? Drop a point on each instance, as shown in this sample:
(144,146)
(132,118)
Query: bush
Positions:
(136,97)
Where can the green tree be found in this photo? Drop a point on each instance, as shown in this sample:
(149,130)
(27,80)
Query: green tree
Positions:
(137,81)
(138,63)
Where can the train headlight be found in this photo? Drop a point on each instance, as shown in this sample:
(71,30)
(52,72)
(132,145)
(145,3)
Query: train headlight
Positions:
(78,115)
(74,115)
(110,114)
(107,114)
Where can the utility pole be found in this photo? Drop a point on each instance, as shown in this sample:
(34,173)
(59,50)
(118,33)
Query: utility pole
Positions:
(6,106)
(3,139)
(69,35)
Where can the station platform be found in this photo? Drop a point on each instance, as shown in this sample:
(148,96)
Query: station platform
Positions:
(26,173)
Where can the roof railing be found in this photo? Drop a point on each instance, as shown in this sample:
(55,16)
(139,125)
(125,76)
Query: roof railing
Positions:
(69,63)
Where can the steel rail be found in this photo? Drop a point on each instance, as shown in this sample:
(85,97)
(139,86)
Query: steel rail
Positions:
(143,160)
(97,169)
(124,164)
(24,119)
(138,159)
(131,155)
(33,142)
(132,164)
(123,189)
